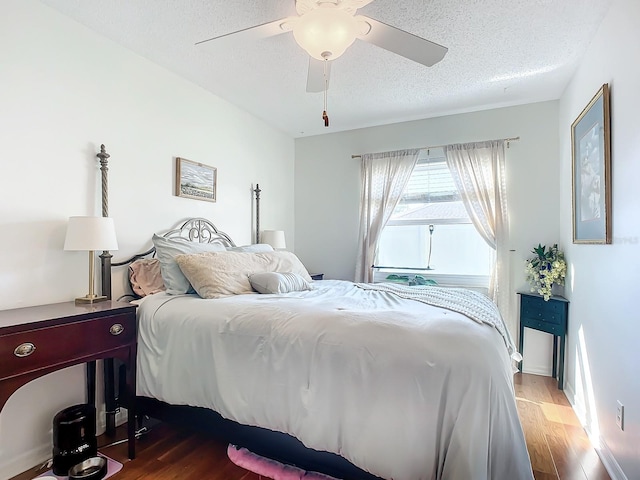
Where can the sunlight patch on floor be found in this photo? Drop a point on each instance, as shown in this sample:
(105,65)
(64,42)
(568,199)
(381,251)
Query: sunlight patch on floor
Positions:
(562,414)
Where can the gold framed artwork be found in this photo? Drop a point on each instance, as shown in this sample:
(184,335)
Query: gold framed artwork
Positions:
(591,171)
(195,180)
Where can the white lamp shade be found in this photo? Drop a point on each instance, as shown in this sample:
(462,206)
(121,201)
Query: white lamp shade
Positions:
(275,238)
(325,30)
(90,233)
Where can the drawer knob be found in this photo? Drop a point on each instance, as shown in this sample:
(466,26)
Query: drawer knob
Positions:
(24,350)
(116,329)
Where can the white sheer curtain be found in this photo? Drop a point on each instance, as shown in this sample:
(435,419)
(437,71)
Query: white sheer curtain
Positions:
(478,169)
(384,177)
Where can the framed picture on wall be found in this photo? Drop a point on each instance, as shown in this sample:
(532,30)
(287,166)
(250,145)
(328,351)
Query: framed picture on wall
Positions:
(195,180)
(591,171)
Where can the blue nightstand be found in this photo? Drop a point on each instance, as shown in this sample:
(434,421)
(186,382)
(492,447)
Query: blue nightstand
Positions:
(546,316)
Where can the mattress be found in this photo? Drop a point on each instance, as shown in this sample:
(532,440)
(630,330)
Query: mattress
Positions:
(401,388)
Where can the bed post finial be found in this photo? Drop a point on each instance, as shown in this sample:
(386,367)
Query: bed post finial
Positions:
(105,257)
(104,168)
(257,192)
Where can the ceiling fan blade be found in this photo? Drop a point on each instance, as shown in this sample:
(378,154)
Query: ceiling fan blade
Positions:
(253,33)
(315,75)
(403,43)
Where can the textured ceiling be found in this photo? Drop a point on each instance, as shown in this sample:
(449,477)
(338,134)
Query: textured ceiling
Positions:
(501,53)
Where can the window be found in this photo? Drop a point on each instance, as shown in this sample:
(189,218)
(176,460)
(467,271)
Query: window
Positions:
(430,233)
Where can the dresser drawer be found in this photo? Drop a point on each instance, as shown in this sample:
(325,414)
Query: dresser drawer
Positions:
(43,347)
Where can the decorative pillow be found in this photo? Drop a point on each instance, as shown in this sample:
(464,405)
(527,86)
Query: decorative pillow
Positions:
(215,275)
(145,276)
(167,249)
(255,248)
(278,282)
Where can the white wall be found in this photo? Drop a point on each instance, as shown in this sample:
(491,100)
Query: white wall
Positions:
(604,359)
(65,90)
(328,190)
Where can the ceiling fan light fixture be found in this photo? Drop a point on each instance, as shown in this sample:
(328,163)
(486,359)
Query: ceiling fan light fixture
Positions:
(326,29)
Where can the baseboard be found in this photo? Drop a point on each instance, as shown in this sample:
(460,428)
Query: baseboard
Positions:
(608,460)
(578,408)
(538,370)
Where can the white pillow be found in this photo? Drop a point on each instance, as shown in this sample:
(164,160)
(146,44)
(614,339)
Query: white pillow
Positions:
(166,249)
(216,274)
(278,282)
(255,248)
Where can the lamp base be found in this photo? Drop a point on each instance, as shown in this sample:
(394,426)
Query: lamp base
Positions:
(90,299)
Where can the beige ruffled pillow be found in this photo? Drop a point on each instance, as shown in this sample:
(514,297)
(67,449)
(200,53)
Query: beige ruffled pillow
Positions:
(220,274)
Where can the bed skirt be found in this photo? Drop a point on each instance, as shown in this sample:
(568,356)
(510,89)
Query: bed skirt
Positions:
(277,446)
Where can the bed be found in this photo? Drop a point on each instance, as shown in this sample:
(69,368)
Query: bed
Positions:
(355,381)
(360,382)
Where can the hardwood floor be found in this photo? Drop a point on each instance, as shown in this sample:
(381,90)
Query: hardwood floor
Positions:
(558,446)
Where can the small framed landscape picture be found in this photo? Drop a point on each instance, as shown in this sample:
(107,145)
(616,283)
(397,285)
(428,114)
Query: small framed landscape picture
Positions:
(195,180)
(591,171)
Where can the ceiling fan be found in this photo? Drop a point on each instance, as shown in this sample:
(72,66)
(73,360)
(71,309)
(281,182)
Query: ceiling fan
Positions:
(326,28)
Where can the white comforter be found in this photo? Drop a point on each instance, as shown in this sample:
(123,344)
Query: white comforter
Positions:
(404,390)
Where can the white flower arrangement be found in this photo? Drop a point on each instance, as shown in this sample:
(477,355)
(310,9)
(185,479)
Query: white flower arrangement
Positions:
(548,267)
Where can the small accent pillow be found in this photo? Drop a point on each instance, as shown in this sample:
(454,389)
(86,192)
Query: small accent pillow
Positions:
(278,282)
(215,275)
(167,249)
(145,277)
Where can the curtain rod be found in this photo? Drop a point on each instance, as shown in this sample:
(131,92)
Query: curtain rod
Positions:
(512,139)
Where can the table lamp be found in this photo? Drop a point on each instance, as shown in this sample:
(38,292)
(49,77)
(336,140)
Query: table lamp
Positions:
(275,238)
(90,234)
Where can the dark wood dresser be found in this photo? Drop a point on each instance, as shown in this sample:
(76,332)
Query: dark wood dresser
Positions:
(35,341)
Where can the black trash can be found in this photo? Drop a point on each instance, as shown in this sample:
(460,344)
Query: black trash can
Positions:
(74,437)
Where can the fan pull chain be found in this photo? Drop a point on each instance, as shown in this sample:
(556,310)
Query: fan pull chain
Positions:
(325,117)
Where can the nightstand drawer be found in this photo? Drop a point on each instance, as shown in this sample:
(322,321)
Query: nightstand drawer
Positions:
(543,326)
(555,318)
(538,304)
(42,347)
(547,311)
